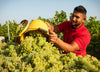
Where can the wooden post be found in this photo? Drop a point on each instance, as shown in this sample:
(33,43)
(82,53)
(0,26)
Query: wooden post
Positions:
(8,33)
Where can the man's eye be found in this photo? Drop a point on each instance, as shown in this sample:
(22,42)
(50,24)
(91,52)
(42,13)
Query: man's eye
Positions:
(77,17)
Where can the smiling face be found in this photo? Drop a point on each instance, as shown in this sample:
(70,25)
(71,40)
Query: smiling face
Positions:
(77,19)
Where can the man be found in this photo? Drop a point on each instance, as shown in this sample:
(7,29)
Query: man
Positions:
(76,36)
(21,26)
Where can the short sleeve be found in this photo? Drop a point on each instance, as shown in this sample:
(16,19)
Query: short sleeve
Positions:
(83,41)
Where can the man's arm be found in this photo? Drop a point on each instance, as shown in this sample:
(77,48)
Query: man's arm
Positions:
(63,45)
(67,47)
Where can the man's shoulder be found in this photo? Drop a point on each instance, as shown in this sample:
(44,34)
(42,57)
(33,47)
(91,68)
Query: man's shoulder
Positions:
(85,32)
(85,29)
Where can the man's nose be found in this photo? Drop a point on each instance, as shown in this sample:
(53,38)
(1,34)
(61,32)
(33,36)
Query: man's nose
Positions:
(74,18)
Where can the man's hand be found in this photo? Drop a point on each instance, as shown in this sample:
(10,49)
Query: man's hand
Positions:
(51,28)
(19,25)
(53,37)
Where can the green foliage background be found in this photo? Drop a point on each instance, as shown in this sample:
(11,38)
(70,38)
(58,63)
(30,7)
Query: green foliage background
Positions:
(92,25)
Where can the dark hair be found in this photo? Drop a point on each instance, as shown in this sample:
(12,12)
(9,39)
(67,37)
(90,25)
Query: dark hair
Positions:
(24,21)
(80,9)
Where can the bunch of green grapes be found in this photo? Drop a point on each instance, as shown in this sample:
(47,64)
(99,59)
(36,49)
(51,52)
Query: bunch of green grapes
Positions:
(73,63)
(44,56)
(35,54)
(8,49)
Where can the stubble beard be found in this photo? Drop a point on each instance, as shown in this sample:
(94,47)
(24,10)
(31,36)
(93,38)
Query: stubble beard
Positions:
(74,26)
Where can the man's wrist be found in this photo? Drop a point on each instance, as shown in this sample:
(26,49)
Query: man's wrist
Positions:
(52,28)
(57,40)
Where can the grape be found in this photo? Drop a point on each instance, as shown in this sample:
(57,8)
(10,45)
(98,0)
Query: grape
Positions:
(36,54)
(9,65)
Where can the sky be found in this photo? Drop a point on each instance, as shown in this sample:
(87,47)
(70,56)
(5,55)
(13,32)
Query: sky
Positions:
(31,9)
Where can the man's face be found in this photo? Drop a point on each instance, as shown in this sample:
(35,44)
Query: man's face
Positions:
(77,19)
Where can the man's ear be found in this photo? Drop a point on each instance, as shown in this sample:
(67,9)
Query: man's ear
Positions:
(84,18)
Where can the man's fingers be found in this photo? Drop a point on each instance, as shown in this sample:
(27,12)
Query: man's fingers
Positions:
(51,40)
(51,32)
(51,28)
(50,35)
(47,24)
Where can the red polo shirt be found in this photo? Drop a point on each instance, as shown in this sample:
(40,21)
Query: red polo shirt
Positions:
(80,35)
